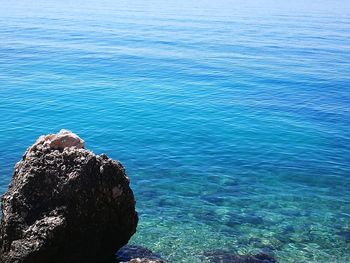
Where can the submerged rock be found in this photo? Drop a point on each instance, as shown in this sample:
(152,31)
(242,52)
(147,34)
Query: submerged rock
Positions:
(137,254)
(143,260)
(222,256)
(345,235)
(66,204)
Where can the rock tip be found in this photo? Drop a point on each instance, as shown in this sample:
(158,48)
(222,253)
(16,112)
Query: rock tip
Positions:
(58,141)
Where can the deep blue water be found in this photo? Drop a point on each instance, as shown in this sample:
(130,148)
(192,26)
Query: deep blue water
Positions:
(232,118)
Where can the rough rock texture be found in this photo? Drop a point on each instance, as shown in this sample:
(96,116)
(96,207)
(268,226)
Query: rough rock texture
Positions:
(137,254)
(65,204)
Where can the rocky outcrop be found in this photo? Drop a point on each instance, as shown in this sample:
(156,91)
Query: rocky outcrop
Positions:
(66,204)
(137,254)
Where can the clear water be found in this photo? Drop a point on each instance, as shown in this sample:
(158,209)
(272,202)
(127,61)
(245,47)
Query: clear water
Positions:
(232,118)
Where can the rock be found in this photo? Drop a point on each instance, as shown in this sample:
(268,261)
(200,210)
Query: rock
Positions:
(66,204)
(239,219)
(222,256)
(59,141)
(345,235)
(143,260)
(137,254)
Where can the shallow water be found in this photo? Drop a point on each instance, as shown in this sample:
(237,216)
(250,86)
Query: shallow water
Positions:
(231,117)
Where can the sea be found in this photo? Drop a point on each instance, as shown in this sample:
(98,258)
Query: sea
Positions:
(232,118)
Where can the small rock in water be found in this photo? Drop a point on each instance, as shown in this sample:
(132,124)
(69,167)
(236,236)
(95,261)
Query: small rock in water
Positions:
(137,254)
(222,256)
(238,219)
(345,235)
(143,260)
(61,209)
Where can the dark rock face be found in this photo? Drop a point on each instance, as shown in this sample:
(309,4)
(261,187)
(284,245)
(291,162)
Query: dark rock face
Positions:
(65,204)
(221,256)
(137,254)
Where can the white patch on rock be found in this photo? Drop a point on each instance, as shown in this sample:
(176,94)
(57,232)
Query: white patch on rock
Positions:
(63,139)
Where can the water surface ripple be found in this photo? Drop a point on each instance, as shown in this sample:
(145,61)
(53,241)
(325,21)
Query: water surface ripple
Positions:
(231,117)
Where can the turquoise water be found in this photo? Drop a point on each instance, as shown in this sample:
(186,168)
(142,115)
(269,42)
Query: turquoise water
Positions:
(232,118)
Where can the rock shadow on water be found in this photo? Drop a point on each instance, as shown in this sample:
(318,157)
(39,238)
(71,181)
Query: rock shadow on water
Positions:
(223,256)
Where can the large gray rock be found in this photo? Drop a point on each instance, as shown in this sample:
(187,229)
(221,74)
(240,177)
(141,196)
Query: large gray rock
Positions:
(66,204)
